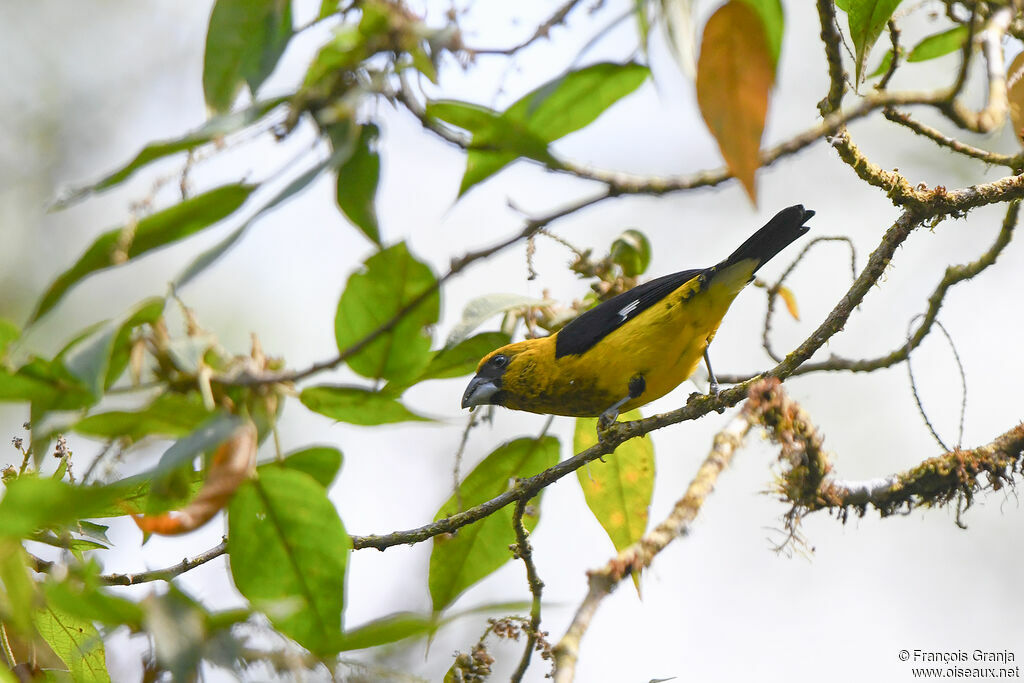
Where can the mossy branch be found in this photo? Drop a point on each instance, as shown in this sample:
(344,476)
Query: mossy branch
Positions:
(809,485)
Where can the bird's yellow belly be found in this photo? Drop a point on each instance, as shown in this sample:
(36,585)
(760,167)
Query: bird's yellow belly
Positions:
(664,349)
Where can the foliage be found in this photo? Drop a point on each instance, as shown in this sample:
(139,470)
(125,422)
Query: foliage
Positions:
(287,547)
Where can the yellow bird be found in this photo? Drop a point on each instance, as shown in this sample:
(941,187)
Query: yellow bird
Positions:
(635,347)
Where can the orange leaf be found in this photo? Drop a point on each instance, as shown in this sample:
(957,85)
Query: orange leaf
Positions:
(233,462)
(735,74)
(786,294)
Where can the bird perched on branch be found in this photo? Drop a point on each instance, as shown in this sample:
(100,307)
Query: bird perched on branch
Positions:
(634,347)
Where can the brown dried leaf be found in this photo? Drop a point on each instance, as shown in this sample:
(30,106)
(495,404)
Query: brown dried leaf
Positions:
(233,462)
(735,75)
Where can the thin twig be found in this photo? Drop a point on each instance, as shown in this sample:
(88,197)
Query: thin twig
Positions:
(247,378)
(963,386)
(774,289)
(952,276)
(525,552)
(543,31)
(639,555)
(167,573)
(894,40)
(1014,161)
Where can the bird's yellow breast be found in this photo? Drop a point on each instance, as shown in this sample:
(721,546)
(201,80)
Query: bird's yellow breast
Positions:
(663,344)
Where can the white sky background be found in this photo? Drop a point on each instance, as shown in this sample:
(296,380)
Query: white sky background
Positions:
(87,84)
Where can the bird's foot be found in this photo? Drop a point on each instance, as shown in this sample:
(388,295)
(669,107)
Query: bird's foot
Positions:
(607,419)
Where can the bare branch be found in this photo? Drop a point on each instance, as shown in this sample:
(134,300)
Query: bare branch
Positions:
(543,31)
(1015,161)
(525,552)
(638,556)
(994,113)
(165,574)
(247,378)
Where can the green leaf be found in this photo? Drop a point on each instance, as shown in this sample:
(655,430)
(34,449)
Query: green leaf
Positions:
(152,232)
(210,434)
(173,479)
(93,530)
(561,106)
(89,359)
(464,357)
(75,641)
(33,503)
(68,543)
(320,462)
(643,23)
(357,184)
(144,313)
(8,332)
(169,415)
(342,52)
(867,19)
(939,44)
(498,139)
(177,625)
(575,100)
(883,66)
(87,600)
(391,280)
(632,251)
(215,128)
(774,21)
(288,553)
(357,406)
(327,8)
(243,43)
(43,382)
(461,559)
(18,596)
(138,495)
(389,629)
(618,491)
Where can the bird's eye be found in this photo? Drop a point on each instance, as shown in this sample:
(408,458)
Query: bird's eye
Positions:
(499,361)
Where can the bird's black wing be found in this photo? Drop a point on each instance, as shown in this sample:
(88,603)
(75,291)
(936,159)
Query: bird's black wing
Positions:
(594,325)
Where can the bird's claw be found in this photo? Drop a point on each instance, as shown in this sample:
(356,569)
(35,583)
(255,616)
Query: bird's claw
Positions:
(605,422)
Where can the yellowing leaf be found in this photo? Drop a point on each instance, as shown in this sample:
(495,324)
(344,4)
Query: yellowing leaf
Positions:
(618,491)
(735,74)
(787,296)
(76,641)
(1015,92)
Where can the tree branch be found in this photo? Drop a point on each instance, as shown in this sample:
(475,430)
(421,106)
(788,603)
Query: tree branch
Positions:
(952,276)
(248,378)
(543,31)
(524,551)
(936,481)
(165,574)
(1015,161)
(639,556)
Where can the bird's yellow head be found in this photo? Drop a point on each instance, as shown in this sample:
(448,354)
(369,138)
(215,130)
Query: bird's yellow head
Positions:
(500,372)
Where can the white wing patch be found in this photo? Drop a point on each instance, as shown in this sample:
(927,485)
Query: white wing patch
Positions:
(627,309)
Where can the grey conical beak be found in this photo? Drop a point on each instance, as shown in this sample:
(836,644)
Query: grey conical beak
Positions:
(479,392)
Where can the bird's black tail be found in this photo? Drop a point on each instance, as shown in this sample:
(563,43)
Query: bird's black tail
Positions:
(775,236)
